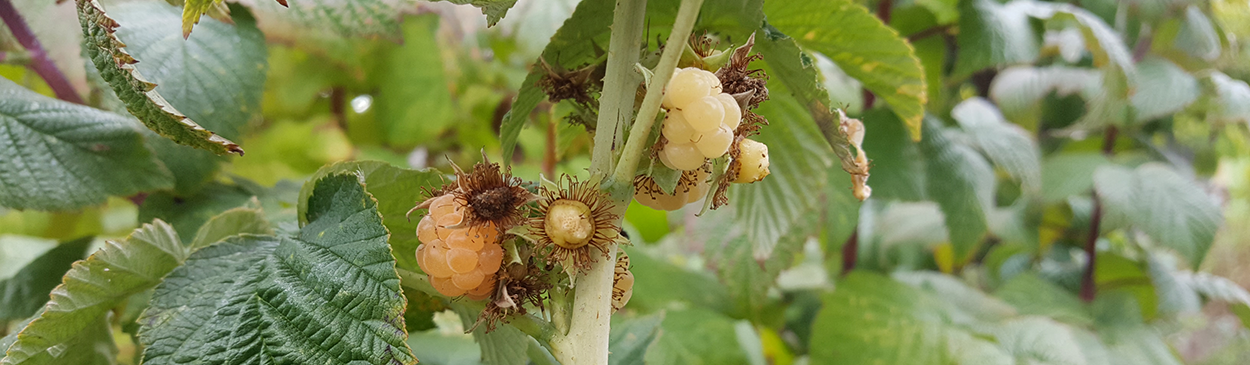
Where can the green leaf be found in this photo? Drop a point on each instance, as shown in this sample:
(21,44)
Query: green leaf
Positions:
(862,46)
(897,163)
(232,222)
(506,345)
(967,299)
(93,287)
(1033,296)
(187,213)
(1162,89)
(62,156)
(494,9)
(1018,90)
(1214,287)
(216,77)
(192,10)
(962,184)
(117,67)
(749,277)
(263,299)
(1173,210)
(397,190)
(1232,99)
(362,18)
(993,35)
(695,336)
(871,319)
(92,346)
(659,284)
(1069,174)
(1035,340)
(1197,36)
(413,104)
(1174,296)
(1005,144)
(781,199)
(801,78)
(22,294)
(630,339)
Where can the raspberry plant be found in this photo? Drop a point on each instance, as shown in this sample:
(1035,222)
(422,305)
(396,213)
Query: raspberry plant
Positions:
(675,181)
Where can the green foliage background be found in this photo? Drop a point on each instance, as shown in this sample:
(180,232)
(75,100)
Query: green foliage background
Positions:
(999,134)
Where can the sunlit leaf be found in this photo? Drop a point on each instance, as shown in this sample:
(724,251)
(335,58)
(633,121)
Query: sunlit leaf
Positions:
(630,339)
(1232,99)
(1069,174)
(23,293)
(1006,145)
(232,222)
(397,190)
(63,156)
(215,77)
(862,46)
(695,335)
(231,300)
(1162,89)
(117,67)
(799,159)
(93,287)
(1172,209)
(1197,36)
(994,35)
(1032,295)
(962,183)
(413,104)
(494,9)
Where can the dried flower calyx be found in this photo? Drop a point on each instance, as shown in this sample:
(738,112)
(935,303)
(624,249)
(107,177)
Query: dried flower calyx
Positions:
(571,222)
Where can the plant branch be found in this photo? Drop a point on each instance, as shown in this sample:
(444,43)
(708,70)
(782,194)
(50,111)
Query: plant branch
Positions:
(40,62)
(537,328)
(686,15)
(850,252)
(616,102)
(1088,287)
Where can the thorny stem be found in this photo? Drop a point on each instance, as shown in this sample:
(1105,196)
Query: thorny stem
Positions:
(686,15)
(616,102)
(39,58)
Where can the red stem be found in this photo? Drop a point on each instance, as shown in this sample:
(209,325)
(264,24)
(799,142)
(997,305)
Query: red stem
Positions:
(850,252)
(883,13)
(39,58)
(1088,289)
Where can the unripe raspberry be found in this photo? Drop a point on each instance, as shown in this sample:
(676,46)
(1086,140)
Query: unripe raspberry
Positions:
(686,85)
(715,144)
(752,161)
(682,156)
(676,128)
(444,205)
(704,114)
(733,112)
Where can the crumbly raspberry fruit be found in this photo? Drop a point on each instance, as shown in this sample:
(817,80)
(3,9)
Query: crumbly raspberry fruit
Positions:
(460,258)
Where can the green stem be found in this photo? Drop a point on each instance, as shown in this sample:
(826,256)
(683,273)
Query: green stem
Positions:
(535,327)
(684,24)
(616,103)
(416,281)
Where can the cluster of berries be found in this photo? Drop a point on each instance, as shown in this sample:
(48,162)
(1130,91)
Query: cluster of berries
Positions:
(461,260)
(701,119)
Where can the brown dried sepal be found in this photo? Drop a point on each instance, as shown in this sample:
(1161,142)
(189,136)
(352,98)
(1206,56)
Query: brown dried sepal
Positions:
(518,285)
(736,79)
(579,84)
